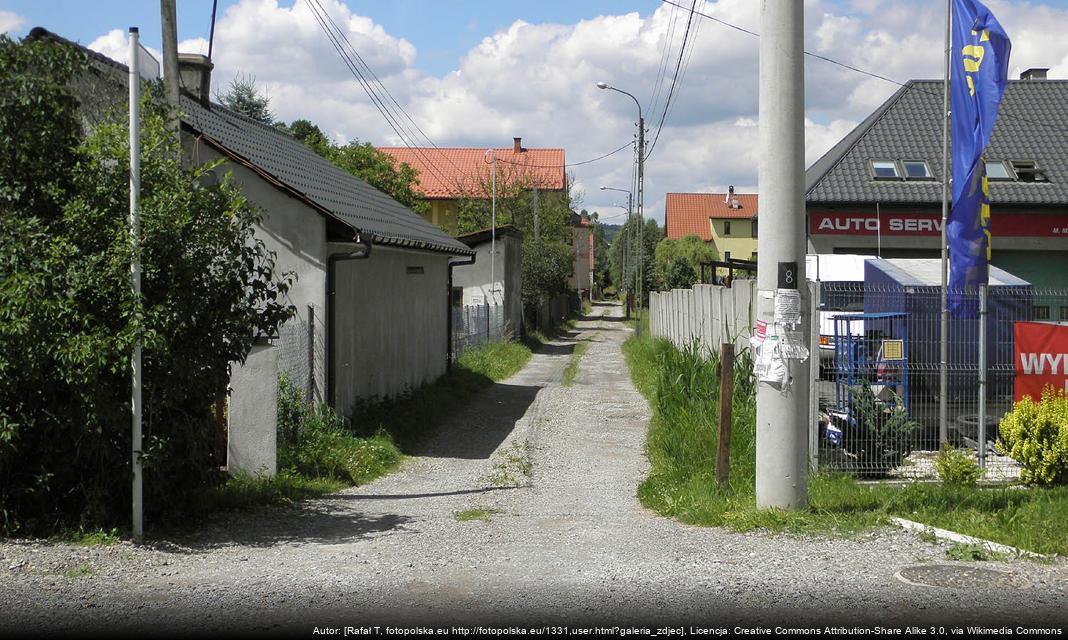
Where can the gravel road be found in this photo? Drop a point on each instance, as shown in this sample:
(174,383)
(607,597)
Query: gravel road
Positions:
(547,474)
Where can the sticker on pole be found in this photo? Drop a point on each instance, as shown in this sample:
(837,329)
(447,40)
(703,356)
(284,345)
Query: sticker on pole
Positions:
(761,331)
(788,306)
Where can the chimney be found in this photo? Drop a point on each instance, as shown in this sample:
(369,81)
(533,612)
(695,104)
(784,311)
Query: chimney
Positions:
(517,145)
(194,76)
(1034,73)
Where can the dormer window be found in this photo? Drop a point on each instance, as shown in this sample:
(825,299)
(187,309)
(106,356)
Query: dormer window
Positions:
(916,170)
(996,171)
(885,170)
(1028,171)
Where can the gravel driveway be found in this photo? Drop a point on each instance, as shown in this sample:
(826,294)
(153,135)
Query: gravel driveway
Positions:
(546,475)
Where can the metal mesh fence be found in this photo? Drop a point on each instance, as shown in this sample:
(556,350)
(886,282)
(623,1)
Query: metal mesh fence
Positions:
(300,344)
(879,373)
(475,325)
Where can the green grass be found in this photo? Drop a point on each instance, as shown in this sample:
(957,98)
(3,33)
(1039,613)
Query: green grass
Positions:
(496,360)
(514,466)
(482,515)
(681,447)
(411,418)
(81,571)
(91,538)
(573,364)
(245,491)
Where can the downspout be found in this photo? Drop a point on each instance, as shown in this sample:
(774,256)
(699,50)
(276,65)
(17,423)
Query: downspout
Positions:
(362,253)
(448,310)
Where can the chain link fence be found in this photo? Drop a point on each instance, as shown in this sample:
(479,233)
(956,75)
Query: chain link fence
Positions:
(476,324)
(877,377)
(301,347)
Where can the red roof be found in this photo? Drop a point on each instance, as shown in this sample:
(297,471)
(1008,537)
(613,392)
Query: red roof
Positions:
(687,214)
(450,172)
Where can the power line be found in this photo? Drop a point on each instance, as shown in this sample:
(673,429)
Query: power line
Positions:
(569,164)
(664,57)
(674,79)
(336,39)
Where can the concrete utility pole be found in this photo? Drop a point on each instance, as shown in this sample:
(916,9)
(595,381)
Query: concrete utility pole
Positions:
(169,24)
(782,411)
(137,519)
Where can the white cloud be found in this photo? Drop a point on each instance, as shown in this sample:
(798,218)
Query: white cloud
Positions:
(538,80)
(9,21)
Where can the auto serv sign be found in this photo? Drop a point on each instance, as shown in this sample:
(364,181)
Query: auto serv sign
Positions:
(1041,358)
(918,223)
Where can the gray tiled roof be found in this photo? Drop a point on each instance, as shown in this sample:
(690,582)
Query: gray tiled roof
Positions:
(316,179)
(1032,125)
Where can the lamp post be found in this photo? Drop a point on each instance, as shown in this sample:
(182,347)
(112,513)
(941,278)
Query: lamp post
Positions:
(623,273)
(493,228)
(641,181)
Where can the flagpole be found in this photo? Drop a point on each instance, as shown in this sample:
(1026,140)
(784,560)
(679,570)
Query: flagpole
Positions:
(943,368)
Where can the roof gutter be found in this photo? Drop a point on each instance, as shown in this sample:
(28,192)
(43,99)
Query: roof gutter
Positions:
(453,262)
(361,253)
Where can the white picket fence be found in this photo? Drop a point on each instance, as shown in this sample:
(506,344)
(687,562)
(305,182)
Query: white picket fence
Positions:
(710,314)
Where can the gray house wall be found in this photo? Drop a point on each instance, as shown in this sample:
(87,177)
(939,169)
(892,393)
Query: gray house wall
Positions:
(507,270)
(297,235)
(391,337)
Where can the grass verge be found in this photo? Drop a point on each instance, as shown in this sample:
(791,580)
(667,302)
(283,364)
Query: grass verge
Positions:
(681,445)
(573,364)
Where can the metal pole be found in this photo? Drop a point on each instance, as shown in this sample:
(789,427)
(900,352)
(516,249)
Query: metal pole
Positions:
(813,374)
(943,365)
(782,410)
(641,221)
(982,376)
(493,232)
(135,282)
(169,24)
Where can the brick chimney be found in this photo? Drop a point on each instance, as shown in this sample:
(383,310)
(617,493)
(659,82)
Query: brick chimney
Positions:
(194,76)
(1034,73)
(517,145)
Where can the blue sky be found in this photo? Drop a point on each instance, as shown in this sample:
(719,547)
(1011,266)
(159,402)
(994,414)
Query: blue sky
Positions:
(476,73)
(442,30)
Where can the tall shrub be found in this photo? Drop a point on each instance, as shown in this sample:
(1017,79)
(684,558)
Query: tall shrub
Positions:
(68,318)
(1036,435)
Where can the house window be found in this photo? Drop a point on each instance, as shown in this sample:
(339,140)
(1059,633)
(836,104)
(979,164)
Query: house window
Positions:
(726,227)
(916,170)
(996,171)
(1041,312)
(884,170)
(1028,171)
(1064,313)
(753,227)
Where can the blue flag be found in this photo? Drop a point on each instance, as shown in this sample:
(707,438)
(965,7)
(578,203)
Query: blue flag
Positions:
(979,65)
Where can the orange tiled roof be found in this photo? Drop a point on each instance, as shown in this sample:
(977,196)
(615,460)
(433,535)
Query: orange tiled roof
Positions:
(450,172)
(688,214)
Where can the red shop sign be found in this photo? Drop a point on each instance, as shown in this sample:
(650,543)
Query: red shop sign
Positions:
(930,224)
(1041,357)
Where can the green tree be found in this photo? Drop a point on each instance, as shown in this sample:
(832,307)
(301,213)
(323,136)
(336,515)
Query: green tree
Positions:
(379,169)
(691,250)
(602,274)
(310,134)
(627,239)
(245,98)
(68,317)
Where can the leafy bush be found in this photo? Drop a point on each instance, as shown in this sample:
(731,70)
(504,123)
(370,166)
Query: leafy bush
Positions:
(68,317)
(317,442)
(957,467)
(1036,435)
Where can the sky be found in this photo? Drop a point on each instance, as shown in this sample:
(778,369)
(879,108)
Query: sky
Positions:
(476,73)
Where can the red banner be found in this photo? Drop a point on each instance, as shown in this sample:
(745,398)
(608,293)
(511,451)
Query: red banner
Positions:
(915,223)
(1041,357)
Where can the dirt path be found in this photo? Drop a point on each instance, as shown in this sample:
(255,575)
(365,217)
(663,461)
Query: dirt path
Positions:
(546,477)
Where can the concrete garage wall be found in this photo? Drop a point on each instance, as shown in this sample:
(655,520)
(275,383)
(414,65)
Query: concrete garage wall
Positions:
(390,330)
(297,235)
(475,278)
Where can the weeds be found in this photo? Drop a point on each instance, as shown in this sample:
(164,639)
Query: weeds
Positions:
(244,491)
(515,468)
(682,389)
(573,364)
(468,515)
(93,538)
(973,553)
(81,571)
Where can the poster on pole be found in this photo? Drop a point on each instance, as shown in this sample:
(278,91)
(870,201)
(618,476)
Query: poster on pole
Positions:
(1041,356)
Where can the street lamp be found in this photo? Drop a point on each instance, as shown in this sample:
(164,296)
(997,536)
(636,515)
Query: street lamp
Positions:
(641,183)
(626,241)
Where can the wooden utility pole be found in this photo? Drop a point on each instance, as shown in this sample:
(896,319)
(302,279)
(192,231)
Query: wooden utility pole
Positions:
(726,392)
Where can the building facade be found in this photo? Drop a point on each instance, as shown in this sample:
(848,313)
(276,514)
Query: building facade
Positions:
(727,221)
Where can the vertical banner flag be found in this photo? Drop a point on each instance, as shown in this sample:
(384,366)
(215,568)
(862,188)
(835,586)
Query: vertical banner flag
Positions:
(979,66)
